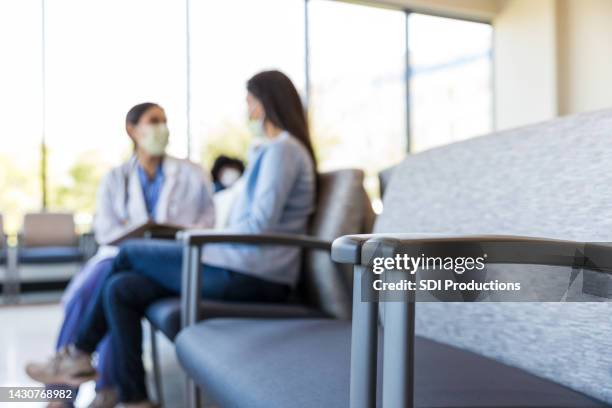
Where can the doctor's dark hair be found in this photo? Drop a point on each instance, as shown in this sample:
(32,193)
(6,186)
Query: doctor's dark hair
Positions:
(282,105)
(133,116)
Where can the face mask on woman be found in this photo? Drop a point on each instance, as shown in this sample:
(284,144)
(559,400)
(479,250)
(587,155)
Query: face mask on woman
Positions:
(256,127)
(154,139)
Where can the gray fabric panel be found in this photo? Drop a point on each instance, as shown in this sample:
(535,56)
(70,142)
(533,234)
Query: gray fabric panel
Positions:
(165,314)
(305,364)
(384,177)
(568,343)
(342,209)
(550,180)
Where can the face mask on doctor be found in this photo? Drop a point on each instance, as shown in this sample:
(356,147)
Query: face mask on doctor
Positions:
(154,139)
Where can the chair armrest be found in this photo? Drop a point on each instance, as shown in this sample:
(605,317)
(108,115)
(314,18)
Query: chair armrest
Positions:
(193,240)
(499,249)
(347,249)
(201,237)
(398,359)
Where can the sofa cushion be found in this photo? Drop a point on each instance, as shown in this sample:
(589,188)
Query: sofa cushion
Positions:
(52,254)
(165,315)
(309,361)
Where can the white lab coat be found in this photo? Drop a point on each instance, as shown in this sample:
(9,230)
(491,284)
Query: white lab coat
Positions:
(185,199)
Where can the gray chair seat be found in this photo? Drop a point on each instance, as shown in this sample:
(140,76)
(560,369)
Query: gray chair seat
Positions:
(50,254)
(305,363)
(164,315)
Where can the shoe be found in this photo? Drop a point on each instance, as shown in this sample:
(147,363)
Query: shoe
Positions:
(141,404)
(57,404)
(67,367)
(105,398)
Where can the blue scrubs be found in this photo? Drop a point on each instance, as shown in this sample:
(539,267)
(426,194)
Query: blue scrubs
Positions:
(95,275)
(151,188)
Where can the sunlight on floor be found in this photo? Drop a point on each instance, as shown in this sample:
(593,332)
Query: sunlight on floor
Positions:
(29,333)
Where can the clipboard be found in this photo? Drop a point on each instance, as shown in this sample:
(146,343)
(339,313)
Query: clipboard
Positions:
(149,229)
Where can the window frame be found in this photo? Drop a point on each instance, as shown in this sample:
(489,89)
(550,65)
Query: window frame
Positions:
(408,66)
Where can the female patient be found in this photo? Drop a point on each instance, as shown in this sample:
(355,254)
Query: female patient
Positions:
(150,186)
(278,196)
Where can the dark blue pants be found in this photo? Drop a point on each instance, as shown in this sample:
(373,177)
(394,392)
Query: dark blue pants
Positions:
(78,297)
(143,272)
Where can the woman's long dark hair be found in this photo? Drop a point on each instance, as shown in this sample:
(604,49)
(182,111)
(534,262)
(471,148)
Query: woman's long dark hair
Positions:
(282,106)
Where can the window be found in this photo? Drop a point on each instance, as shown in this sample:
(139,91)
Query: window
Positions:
(194,58)
(358,91)
(115,55)
(21,105)
(231,41)
(450,82)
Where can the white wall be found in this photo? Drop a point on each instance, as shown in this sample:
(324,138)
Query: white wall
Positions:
(525,62)
(552,57)
(474,9)
(585,55)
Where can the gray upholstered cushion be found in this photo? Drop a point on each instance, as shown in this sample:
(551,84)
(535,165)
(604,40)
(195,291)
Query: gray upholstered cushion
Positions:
(165,314)
(48,255)
(550,180)
(292,363)
(305,364)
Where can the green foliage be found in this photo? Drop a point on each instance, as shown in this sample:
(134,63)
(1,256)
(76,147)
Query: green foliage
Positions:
(20,192)
(78,191)
(231,140)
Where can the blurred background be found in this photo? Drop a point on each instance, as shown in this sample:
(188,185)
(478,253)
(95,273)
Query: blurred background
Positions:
(381,79)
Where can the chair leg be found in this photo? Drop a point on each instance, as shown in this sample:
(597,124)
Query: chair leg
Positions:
(12,281)
(193,395)
(157,379)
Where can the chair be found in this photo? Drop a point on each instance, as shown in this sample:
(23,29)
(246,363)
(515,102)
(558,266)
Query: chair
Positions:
(3,257)
(3,243)
(548,180)
(48,240)
(343,207)
(384,178)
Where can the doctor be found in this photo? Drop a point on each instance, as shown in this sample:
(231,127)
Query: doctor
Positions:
(149,186)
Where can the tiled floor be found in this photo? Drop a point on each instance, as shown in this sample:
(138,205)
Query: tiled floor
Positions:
(28,333)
